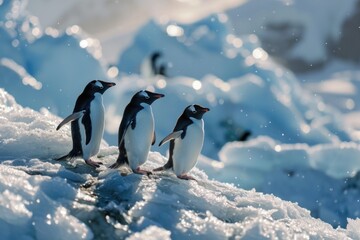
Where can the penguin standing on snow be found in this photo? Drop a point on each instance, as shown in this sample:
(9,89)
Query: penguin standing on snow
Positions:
(152,67)
(186,141)
(87,122)
(136,131)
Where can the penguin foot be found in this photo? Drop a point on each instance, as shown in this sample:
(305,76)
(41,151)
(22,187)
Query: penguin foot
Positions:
(186,177)
(159,169)
(93,163)
(63,158)
(142,172)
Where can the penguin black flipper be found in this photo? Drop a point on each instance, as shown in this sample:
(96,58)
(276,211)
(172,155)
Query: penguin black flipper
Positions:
(129,118)
(82,102)
(72,117)
(179,131)
(86,121)
(171,136)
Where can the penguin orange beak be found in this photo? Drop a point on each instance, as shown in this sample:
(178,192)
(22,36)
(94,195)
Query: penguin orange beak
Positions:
(158,95)
(110,84)
(205,110)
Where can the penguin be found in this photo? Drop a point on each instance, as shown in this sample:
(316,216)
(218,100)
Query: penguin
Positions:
(151,66)
(87,122)
(186,141)
(136,131)
(153,60)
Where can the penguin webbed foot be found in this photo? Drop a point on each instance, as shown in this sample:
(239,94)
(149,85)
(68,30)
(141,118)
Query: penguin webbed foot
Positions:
(72,154)
(186,177)
(159,169)
(93,163)
(63,158)
(142,172)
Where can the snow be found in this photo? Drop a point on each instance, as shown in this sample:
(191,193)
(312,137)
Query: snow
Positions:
(313,30)
(40,196)
(302,151)
(320,178)
(115,22)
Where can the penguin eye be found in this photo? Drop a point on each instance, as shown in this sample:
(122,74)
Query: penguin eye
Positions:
(194,111)
(99,85)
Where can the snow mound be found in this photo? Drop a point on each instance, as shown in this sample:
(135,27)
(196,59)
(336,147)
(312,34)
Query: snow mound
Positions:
(28,133)
(45,67)
(323,178)
(204,208)
(31,208)
(41,197)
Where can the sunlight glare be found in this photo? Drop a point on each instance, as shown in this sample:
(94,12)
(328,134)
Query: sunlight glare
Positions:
(84,43)
(350,104)
(113,72)
(259,53)
(161,83)
(174,31)
(278,148)
(28,80)
(196,85)
(305,128)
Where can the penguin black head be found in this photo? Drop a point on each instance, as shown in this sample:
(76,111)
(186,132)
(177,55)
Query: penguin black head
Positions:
(97,86)
(145,96)
(155,55)
(195,111)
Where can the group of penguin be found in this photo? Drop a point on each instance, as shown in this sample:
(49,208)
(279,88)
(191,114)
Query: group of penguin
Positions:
(136,131)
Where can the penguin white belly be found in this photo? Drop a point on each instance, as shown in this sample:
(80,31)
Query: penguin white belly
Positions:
(97,128)
(187,150)
(138,140)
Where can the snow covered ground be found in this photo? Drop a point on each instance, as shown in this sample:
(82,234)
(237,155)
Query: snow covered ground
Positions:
(41,197)
(304,134)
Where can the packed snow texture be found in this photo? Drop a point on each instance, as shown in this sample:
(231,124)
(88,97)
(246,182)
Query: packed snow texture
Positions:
(322,178)
(41,197)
